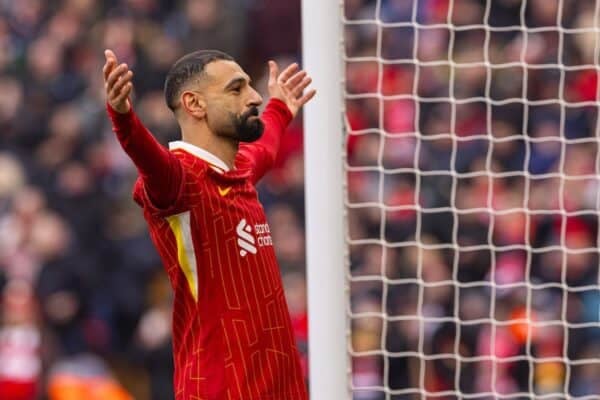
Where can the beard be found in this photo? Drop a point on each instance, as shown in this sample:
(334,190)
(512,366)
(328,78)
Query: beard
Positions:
(247,128)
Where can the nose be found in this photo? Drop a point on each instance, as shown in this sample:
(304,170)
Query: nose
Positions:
(255,98)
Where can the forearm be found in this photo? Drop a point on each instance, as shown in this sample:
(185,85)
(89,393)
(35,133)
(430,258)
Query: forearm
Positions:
(276,118)
(159,169)
(261,154)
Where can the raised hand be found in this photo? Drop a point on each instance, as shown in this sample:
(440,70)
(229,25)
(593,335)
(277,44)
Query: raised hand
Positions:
(289,86)
(117,83)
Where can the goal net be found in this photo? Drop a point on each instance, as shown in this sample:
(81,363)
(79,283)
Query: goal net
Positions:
(472,198)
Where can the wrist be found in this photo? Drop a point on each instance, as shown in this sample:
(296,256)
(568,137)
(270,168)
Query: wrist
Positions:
(118,111)
(124,108)
(282,107)
(120,121)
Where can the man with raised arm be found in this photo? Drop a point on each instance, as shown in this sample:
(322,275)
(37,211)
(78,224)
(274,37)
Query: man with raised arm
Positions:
(232,335)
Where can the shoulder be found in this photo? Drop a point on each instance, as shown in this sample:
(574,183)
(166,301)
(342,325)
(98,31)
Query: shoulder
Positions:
(242,160)
(192,166)
(191,186)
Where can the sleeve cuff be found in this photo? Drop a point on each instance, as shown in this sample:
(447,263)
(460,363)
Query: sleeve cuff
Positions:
(117,117)
(122,124)
(281,109)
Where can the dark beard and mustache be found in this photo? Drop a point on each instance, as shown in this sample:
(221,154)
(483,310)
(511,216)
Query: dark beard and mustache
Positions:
(248,130)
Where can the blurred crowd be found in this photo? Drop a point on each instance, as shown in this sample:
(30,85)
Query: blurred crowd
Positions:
(472,193)
(473,198)
(85,304)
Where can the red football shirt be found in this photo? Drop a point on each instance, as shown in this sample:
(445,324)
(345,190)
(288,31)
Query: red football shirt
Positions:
(232,335)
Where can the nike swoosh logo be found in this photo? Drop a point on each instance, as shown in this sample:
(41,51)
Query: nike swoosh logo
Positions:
(223,192)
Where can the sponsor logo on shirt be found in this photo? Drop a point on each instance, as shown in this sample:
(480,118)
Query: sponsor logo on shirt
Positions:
(245,240)
(249,240)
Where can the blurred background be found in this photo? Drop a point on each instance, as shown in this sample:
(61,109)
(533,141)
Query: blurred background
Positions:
(485,222)
(85,304)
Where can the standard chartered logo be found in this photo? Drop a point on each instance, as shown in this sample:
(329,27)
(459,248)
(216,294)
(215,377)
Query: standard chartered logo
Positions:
(245,240)
(249,240)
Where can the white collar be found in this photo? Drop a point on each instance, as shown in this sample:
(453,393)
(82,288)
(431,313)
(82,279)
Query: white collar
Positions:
(200,153)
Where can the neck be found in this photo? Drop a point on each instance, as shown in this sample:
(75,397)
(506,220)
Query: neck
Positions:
(201,136)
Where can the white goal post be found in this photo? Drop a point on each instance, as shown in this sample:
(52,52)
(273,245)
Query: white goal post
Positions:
(325,237)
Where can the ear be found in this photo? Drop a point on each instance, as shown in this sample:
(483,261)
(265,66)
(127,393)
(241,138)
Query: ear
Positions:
(194,104)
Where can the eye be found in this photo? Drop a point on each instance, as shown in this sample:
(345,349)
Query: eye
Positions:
(236,90)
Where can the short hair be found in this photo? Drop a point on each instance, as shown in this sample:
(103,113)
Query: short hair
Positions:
(187,68)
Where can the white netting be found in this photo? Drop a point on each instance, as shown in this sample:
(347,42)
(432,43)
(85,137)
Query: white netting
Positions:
(473,201)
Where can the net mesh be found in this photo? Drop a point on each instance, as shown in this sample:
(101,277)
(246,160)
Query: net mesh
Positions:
(472,198)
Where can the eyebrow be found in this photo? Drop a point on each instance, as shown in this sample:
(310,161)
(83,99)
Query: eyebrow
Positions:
(235,81)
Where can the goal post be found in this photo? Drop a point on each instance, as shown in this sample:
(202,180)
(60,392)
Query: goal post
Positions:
(325,244)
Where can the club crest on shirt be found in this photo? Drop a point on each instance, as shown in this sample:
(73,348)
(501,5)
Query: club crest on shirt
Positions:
(249,239)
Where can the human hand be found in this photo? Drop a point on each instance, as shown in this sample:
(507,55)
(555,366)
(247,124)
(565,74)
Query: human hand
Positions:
(117,83)
(289,86)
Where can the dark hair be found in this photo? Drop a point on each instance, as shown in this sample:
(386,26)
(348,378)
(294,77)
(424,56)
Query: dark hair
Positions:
(186,68)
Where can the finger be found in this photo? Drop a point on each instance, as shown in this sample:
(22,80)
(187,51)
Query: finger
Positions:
(114,95)
(295,80)
(124,94)
(111,61)
(298,89)
(107,69)
(120,84)
(273,72)
(114,76)
(287,73)
(307,97)
(110,55)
